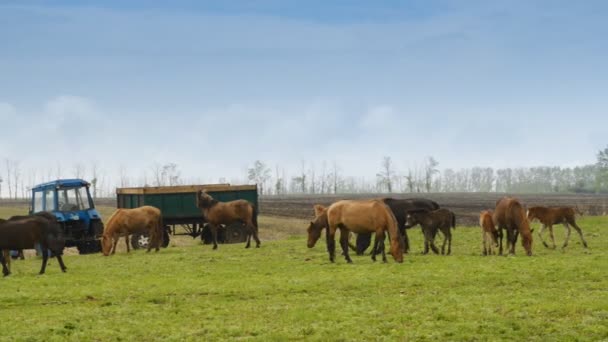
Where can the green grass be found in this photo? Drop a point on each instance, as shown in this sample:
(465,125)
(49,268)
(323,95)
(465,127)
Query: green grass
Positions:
(285,291)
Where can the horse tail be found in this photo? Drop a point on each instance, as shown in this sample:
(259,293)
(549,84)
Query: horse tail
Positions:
(254,215)
(453,220)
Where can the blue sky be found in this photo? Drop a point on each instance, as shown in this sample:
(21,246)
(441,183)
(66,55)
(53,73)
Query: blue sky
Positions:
(215,85)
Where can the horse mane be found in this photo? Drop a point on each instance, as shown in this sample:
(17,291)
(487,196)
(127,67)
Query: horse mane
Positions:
(111,219)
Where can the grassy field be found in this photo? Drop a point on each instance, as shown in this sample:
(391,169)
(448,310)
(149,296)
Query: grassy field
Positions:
(285,291)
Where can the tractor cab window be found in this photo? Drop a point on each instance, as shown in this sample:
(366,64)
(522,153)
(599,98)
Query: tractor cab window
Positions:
(49,200)
(37,202)
(73,199)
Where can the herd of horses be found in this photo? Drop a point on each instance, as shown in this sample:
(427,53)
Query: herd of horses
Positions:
(393,216)
(382,217)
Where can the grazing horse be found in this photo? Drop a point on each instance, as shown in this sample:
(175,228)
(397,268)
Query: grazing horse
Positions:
(431,222)
(399,207)
(359,217)
(511,216)
(217,213)
(125,222)
(28,233)
(556,215)
(319,223)
(489,234)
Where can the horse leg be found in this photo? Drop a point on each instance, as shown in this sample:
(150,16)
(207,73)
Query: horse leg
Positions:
(552,236)
(249,233)
(375,247)
(20,255)
(500,235)
(449,237)
(426,243)
(406,241)
(127,243)
(344,244)
(445,239)
(432,242)
(509,240)
(214,234)
(331,243)
(61,264)
(483,241)
(114,243)
(567,235)
(254,232)
(580,233)
(540,235)
(5,270)
(381,237)
(45,258)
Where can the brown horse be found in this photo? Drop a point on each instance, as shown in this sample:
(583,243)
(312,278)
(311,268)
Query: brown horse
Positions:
(319,223)
(124,222)
(510,215)
(556,215)
(360,217)
(28,233)
(489,234)
(217,213)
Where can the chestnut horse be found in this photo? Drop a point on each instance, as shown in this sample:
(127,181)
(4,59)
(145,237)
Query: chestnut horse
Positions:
(319,223)
(125,222)
(217,213)
(556,215)
(510,215)
(359,217)
(489,234)
(28,233)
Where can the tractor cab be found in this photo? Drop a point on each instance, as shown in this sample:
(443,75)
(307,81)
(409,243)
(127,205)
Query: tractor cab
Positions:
(71,203)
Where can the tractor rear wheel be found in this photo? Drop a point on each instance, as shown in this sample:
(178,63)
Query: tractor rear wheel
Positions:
(140,240)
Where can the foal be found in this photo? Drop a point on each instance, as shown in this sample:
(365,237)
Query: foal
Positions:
(431,222)
(489,233)
(555,215)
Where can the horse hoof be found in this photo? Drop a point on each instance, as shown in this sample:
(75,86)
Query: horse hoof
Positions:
(257,246)
(247,246)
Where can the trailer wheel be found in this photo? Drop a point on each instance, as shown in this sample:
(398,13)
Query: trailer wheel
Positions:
(140,240)
(235,233)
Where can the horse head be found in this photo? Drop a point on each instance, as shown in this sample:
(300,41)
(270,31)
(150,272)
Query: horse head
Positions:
(412,217)
(106,244)
(314,232)
(204,200)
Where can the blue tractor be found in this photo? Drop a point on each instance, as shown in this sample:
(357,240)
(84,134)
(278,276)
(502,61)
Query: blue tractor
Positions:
(71,203)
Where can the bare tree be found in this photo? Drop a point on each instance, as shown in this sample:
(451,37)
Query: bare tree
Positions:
(94,180)
(170,173)
(410,180)
(278,185)
(386,175)
(157,174)
(430,169)
(123,177)
(259,174)
(313,189)
(79,170)
(9,171)
(335,176)
(1,180)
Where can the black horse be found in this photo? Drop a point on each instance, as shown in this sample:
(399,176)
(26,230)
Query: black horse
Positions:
(29,232)
(399,207)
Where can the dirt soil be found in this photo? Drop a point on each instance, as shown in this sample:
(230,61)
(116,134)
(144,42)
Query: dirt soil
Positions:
(466,205)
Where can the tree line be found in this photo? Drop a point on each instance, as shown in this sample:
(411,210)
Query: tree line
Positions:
(328,178)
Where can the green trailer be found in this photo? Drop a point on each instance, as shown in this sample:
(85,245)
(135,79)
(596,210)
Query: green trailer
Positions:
(181,216)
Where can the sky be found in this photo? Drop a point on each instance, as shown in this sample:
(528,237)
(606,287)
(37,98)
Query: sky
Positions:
(215,85)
